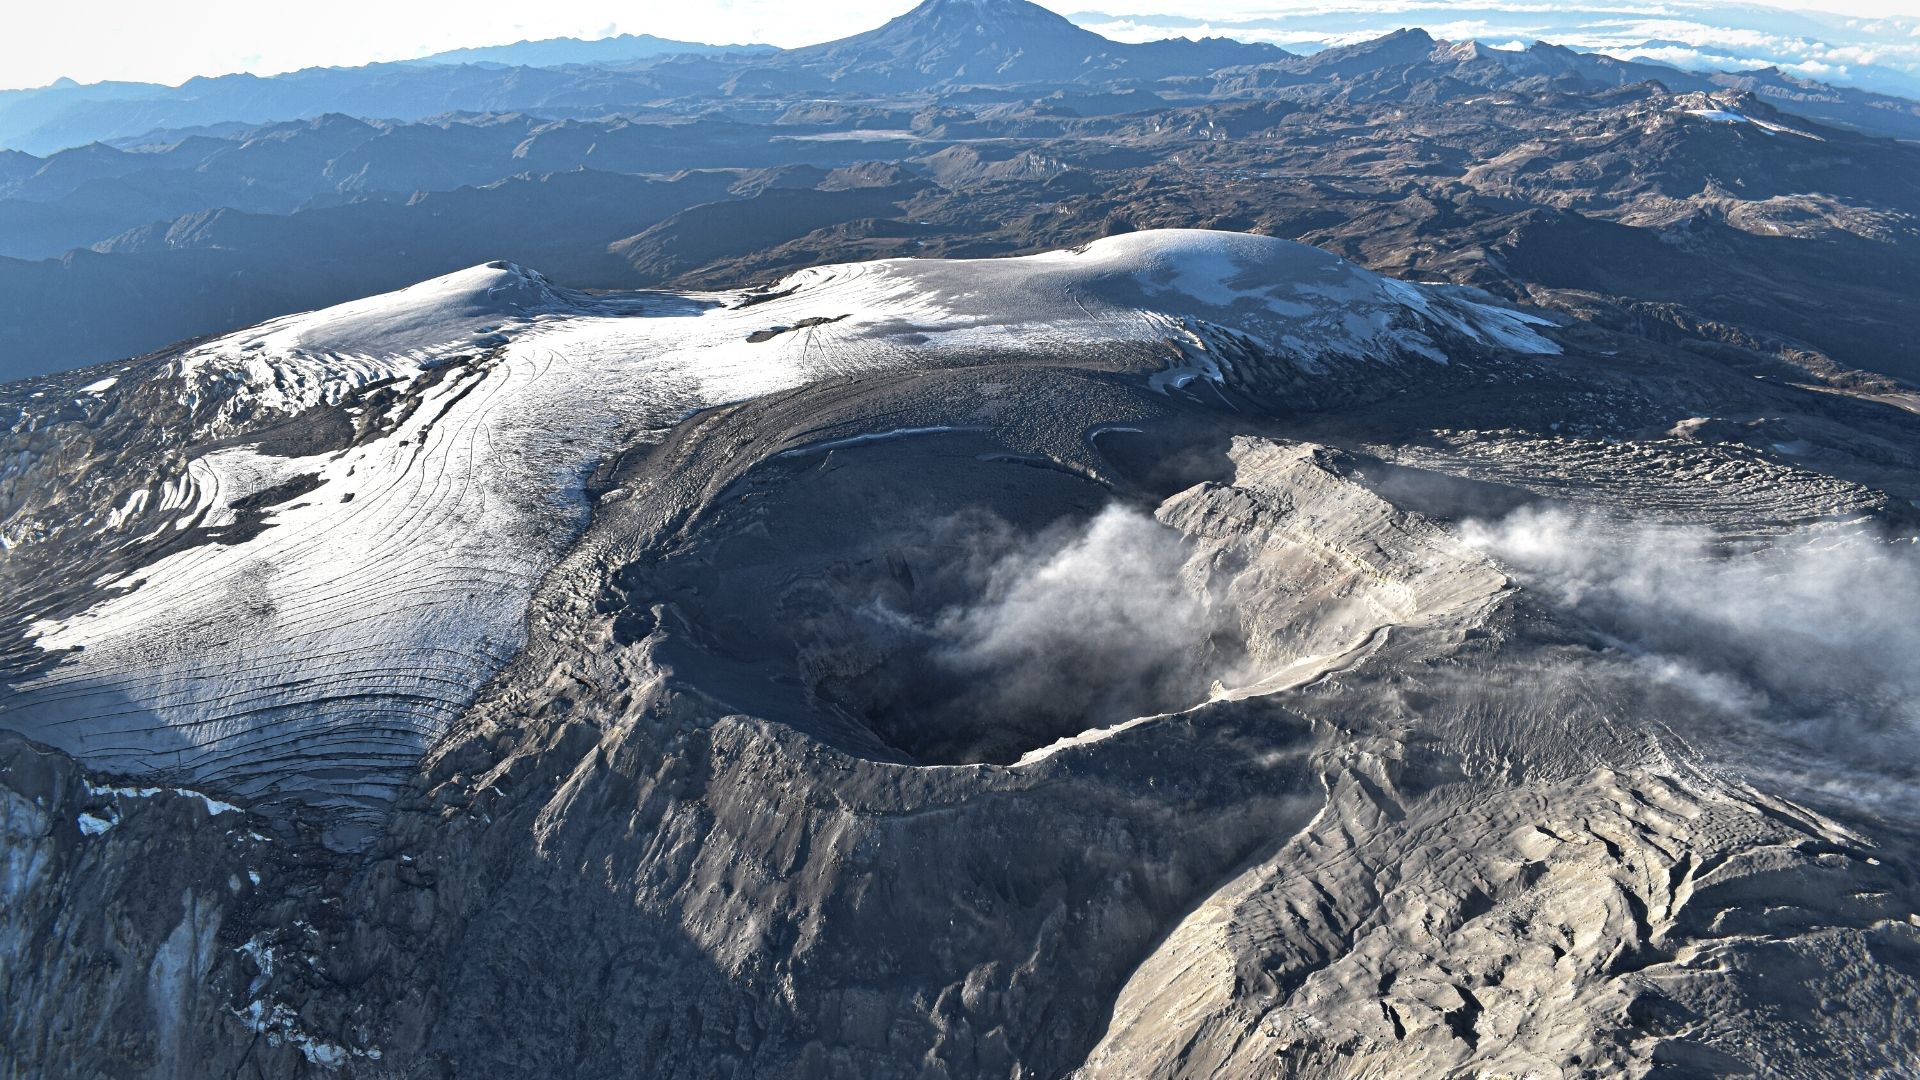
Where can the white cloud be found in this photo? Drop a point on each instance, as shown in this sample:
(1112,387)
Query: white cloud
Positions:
(1811,632)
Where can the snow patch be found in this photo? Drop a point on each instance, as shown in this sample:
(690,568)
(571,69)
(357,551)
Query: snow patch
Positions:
(280,1024)
(214,806)
(870,438)
(1729,116)
(94,825)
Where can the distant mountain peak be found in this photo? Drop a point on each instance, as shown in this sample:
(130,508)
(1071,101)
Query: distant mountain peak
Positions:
(934,20)
(999,42)
(988,7)
(1405,37)
(992,9)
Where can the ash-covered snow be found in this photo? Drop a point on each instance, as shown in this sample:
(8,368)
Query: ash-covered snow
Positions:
(298,361)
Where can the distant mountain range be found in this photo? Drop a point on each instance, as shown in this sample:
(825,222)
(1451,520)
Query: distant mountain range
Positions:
(963,127)
(939,46)
(561,52)
(1881,53)
(1380,68)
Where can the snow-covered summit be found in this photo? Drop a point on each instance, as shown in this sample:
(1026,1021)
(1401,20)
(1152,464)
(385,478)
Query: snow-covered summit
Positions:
(294,362)
(412,321)
(1298,300)
(261,644)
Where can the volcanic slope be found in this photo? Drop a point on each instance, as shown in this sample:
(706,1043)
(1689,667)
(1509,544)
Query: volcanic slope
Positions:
(1188,655)
(300,618)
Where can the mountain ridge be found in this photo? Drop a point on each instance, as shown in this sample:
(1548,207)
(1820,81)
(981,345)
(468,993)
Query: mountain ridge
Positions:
(563,51)
(939,44)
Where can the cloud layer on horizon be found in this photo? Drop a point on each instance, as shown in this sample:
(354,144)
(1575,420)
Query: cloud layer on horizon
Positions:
(1876,52)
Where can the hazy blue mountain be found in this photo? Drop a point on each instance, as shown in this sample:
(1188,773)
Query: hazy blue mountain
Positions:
(41,121)
(78,198)
(560,52)
(939,46)
(221,269)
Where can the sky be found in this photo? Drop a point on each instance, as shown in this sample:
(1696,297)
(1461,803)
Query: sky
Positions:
(170,41)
